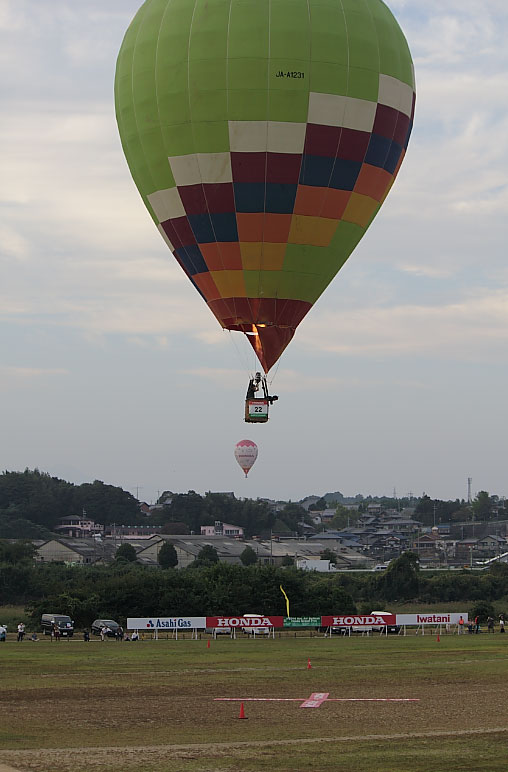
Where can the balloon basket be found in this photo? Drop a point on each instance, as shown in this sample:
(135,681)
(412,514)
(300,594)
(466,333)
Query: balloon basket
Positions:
(256,411)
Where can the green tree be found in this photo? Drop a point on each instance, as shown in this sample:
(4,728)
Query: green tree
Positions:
(328,554)
(482,506)
(43,499)
(189,508)
(288,560)
(207,556)
(13,527)
(344,517)
(482,609)
(106,503)
(248,556)
(167,557)
(293,514)
(16,552)
(400,580)
(126,552)
(319,506)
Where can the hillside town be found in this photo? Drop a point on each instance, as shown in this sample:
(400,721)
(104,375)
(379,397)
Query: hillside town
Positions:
(376,537)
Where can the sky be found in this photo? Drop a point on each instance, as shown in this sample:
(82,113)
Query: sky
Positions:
(113,368)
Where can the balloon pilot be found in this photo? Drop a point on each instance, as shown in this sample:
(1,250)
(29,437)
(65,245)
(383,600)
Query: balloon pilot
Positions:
(256,407)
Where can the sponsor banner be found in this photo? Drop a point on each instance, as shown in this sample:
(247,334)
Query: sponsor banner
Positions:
(165,623)
(369,620)
(249,621)
(302,621)
(436,618)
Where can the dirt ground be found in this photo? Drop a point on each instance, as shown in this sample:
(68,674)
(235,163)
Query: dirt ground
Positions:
(149,757)
(127,717)
(107,725)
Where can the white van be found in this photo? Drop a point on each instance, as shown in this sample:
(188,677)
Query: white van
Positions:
(256,631)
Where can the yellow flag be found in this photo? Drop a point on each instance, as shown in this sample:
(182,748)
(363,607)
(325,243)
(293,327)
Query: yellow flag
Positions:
(286,597)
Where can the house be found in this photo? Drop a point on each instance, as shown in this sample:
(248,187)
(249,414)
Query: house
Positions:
(402,525)
(120,531)
(323,516)
(491,545)
(466,550)
(222,529)
(80,551)
(188,548)
(426,546)
(78,526)
(312,548)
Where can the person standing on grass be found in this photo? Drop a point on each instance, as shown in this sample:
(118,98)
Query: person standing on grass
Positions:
(501,623)
(460,628)
(56,633)
(490,624)
(104,632)
(21,632)
(477,624)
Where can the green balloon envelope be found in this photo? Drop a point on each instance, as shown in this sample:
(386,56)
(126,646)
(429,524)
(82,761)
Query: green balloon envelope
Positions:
(263,136)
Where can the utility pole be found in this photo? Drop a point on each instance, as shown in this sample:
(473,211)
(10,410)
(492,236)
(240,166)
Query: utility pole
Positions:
(470,500)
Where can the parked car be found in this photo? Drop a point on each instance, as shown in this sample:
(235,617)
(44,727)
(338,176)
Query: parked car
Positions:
(373,628)
(62,621)
(255,631)
(3,632)
(390,629)
(218,630)
(98,624)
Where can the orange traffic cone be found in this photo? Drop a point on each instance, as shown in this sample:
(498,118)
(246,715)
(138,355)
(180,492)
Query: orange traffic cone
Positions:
(208,644)
(309,666)
(242,711)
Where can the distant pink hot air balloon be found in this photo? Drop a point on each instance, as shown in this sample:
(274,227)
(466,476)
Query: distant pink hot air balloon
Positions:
(246,453)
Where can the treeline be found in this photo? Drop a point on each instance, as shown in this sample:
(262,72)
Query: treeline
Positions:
(32,502)
(187,512)
(127,589)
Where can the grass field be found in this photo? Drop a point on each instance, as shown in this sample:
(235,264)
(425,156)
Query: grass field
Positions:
(152,705)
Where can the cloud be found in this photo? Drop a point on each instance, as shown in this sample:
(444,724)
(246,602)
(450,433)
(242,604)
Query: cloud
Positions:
(12,16)
(455,34)
(474,327)
(429,271)
(11,375)
(13,243)
(288,381)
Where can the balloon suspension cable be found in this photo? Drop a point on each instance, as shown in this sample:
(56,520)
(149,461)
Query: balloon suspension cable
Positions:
(275,373)
(242,357)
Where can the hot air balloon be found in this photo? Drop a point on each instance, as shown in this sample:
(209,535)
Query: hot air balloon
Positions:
(246,453)
(263,138)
